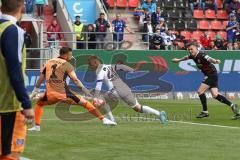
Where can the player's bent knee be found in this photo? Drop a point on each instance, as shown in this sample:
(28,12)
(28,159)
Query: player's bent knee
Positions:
(200,93)
(214,95)
(137,107)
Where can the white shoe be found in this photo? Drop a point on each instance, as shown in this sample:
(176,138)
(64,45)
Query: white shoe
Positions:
(35,128)
(109,122)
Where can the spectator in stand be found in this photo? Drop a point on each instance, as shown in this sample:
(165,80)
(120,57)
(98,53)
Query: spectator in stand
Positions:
(157,41)
(168,38)
(212,46)
(78,28)
(40,7)
(54,4)
(146,15)
(238,15)
(91,36)
(27,39)
(205,41)
(232,27)
(148,29)
(150,6)
(233,6)
(219,43)
(29,7)
(101,25)
(54,35)
(212,4)
(229,46)
(119,26)
(156,17)
(235,46)
(193,4)
(162,26)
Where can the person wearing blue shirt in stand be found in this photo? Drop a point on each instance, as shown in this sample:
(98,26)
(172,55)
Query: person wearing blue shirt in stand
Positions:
(150,6)
(232,26)
(118,31)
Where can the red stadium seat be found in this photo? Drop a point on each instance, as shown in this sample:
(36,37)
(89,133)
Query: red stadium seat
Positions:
(198,14)
(220,4)
(211,34)
(181,44)
(222,34)
(111,3)
(133,3)
(121,3)
(222,14)
(196,35)
(216,25)
(203,25)
(225,23)
(186,34)
(210,14)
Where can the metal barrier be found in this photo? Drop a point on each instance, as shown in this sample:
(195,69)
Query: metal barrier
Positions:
(36,57)
(106,40)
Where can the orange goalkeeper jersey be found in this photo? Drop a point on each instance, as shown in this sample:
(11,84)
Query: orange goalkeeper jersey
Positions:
(56,71)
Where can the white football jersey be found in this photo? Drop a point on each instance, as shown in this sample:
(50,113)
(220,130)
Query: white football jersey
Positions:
(106,74)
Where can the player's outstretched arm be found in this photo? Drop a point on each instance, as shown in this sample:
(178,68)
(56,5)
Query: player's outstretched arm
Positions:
(177,60)
(124,67)
(37,86)
(78,83)
(215,61)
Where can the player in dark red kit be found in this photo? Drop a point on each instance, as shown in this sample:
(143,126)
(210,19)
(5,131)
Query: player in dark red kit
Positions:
(210,82)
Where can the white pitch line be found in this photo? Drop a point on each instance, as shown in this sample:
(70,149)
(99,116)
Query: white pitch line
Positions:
(153,119)
(204,124)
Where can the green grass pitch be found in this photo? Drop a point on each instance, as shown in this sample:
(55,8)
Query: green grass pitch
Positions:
(140,138)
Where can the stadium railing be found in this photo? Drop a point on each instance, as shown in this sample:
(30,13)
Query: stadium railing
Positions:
(135,44)
(36,57)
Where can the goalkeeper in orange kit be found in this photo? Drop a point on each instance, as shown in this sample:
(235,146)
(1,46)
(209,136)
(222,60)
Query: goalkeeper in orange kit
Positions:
(55,73)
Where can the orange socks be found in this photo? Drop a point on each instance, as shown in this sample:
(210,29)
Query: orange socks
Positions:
(38,114)
(91,109)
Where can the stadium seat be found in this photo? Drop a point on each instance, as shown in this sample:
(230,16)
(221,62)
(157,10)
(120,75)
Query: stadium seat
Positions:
(133,3)
(180,25)
(121,3)
(222,14)
(175,14)
(225,23)
(216,25)
(220,4)
(164,13)
(186,34)
(198,14)
(170,24)
(181,4)
(111,3)
(192,25)
(169,3)
(203,24)
(210,14)
(211,34)
(222,34)
(196,35)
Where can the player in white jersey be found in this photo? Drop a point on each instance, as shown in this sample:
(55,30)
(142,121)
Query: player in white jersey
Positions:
(117,89)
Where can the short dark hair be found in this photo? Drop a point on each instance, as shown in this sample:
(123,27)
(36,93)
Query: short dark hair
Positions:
(9,6)
(102,14)
(93,57)
(65,50)
(192,44)
(77,16)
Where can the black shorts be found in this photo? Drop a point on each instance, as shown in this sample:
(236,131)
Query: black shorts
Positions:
(211,80)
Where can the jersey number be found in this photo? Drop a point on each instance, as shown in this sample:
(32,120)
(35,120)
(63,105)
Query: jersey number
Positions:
(53,75)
